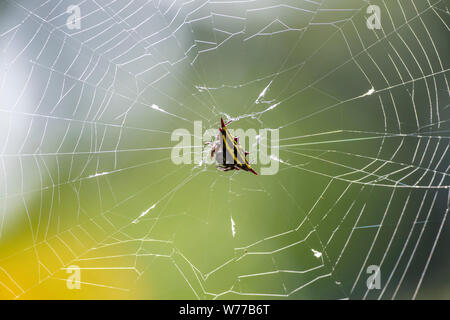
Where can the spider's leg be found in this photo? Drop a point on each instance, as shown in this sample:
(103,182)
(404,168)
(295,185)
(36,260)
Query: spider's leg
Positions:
(214,148)
(225,169)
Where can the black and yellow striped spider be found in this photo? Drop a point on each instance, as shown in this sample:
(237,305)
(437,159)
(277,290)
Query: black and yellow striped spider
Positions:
(229,153)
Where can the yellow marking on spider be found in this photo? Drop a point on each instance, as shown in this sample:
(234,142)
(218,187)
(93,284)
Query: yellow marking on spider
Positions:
(238,147)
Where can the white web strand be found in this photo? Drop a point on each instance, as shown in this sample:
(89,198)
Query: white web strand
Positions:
(93,81)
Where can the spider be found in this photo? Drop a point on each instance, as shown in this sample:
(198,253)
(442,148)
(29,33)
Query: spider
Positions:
(229,154)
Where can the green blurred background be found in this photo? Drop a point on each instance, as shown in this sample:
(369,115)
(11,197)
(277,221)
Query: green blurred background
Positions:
(363,121)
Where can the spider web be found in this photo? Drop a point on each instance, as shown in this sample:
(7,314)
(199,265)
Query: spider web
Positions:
(87,180)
